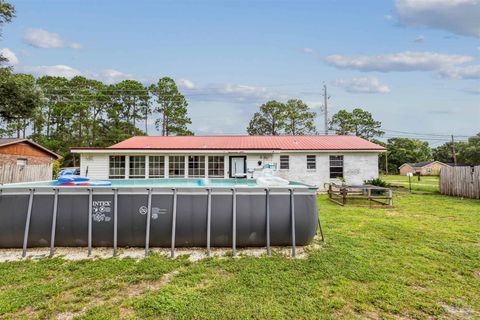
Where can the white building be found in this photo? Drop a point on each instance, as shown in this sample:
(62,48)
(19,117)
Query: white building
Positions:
(313,160)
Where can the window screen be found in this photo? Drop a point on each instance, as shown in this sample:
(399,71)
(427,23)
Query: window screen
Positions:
(196,166)
(216,166)
(136,167)
(156,167)
(311,162)
(284,162)
(336,167)
(116,167)
(176,167)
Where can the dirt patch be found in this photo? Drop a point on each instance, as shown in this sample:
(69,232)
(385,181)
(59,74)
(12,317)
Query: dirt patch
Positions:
(217,274)
(138,289)
(459,313)
(129,292)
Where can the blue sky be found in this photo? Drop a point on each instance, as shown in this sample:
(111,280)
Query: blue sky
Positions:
(415,64)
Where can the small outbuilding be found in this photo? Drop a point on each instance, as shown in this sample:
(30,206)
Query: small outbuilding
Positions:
(426,168)
(22,160)
(24,152)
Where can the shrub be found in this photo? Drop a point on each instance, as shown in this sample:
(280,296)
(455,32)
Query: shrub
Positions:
(378,182)
(56,168)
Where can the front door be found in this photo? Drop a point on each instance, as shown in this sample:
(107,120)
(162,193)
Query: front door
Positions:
(237,167)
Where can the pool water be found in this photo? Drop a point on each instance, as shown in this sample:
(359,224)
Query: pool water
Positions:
(177,182)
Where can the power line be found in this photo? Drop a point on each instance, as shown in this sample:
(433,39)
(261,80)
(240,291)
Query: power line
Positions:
(425,134)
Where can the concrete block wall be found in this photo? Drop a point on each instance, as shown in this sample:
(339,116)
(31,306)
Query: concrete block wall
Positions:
(357,167)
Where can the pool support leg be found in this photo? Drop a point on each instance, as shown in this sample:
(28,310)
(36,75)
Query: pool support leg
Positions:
(174,223)
(234,222)
(90,209)
(292,213)
(54,222)
(115,221)
(209,219)
(267,204)
(321,229)
(147,228)
(27,223)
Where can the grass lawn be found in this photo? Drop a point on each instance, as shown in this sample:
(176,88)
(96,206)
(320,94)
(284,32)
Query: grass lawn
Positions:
(420,259)
(426,183)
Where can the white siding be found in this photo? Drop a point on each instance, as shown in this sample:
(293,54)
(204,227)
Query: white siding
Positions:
(97,165)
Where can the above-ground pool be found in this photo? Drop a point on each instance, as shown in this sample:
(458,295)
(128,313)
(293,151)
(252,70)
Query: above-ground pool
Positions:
(157,213)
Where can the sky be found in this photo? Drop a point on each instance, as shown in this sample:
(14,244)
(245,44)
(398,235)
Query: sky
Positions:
(414,64)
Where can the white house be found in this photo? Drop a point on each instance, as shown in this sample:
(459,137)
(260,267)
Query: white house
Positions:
(313,160)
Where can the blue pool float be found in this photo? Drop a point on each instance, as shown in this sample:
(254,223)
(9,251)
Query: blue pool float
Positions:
(72,180)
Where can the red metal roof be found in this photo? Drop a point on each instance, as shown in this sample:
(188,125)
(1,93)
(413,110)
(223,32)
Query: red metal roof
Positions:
(246,143)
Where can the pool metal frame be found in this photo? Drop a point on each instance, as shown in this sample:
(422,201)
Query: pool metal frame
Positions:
(174,190)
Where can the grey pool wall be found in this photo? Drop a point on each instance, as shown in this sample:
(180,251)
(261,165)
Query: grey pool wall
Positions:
(50,216)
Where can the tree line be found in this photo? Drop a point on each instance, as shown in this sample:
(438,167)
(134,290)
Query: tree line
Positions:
(402,150)
(60,113)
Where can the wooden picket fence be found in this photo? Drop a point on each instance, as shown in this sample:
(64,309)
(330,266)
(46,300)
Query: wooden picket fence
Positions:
(460,181)
(28,173)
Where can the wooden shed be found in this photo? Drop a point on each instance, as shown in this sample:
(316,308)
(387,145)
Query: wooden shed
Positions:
(23,160)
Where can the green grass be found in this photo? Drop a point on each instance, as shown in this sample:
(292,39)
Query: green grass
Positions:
(420,259)
(426,183)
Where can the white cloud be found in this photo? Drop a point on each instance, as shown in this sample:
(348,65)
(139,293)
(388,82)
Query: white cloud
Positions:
(243,90)
(419,39)
(112,76)
(467,72)
(457,16)
(40,38)
(308,50)
(402,61)
(235,92)
(187,84)
(363,85)
(59,70)
(9,55)
(108,76)
(387,17)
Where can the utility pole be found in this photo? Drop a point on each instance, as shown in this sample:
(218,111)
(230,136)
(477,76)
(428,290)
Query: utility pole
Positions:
(453,152)
(325,108)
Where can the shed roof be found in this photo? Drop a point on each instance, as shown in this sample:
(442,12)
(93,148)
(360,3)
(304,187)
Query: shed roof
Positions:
(244,143)
(9,141)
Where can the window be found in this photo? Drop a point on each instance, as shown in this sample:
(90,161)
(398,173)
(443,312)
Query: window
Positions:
(284,162)
(336,167)
(216,166)
(21,162)
(176,168)
(137,167)
(156,167)
(117,167)
(196,166)
(311,162)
